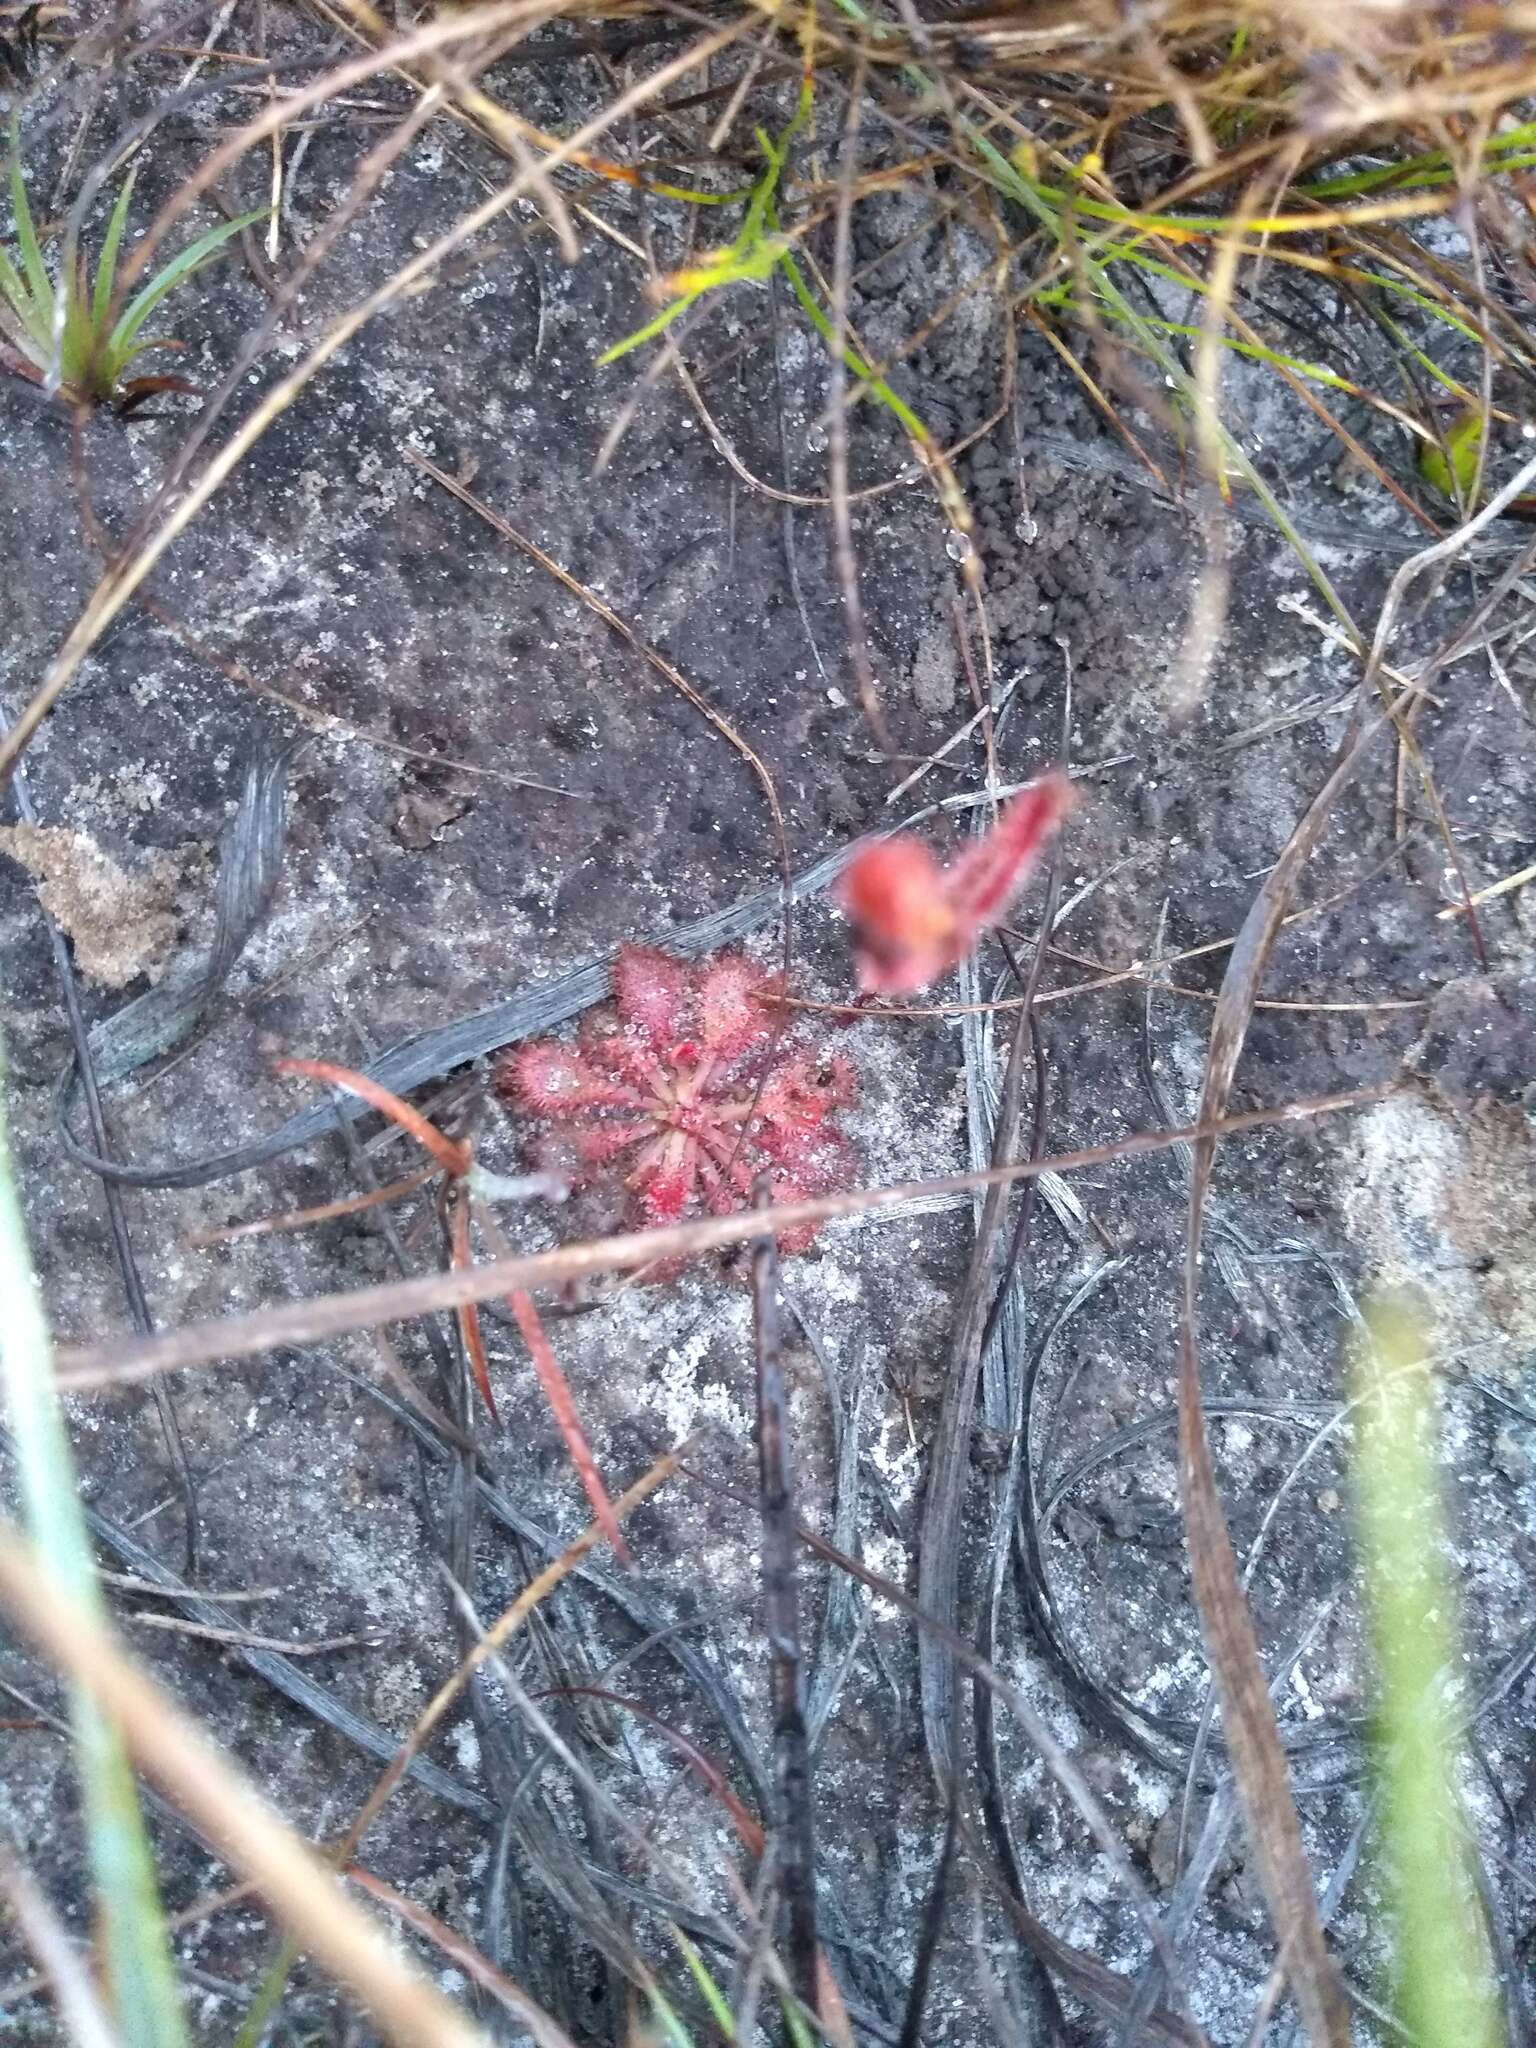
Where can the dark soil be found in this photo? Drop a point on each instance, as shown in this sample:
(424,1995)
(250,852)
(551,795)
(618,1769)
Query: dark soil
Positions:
(559,796)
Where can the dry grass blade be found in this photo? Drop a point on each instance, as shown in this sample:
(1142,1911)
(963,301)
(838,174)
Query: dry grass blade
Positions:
(1253,1739)
(244,1639)
(1101,1989)
(557,1393)
(307,1219)
(471,1335)
(508,132)
(748,1830)
(1493,890)
(170,1748)
(327,1316)
(938,1570)
(837,431)
(451,1156)
(1061,1766)
(495,1638)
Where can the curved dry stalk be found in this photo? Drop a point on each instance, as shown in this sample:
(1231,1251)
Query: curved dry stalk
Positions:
(492,1640)
(442,32)
(666,669)
(505,129)
(542,2030)
(1253,1739)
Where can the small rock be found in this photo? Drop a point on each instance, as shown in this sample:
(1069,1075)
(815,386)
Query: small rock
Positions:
(1480,1040)
(936,668)
(420,819)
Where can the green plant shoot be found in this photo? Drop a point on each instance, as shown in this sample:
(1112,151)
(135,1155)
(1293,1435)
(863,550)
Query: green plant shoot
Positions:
(1443,1991)
(70,334)
(750,258)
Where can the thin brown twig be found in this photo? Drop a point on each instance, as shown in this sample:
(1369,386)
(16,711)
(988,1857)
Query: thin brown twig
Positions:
(306,1219)
(843,552)
(116,1362)
(242,1639)
(494,1639)
(328,722)
(463,1954)
(1253,1740)
(610,618)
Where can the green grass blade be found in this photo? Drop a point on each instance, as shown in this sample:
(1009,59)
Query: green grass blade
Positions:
(106,263)
(890,399)
(1444,1991)
(1511,151)
(40,283)
(719,2005)
(180,267)
(672,2028)
(659,325)
(1423,301)
(23,311)
(274,1982)
(1098,254)
(140,1971)
(794,2026)
(1179,380)
(1256,352)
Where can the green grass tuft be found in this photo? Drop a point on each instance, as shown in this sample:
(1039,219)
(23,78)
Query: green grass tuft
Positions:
(66,329)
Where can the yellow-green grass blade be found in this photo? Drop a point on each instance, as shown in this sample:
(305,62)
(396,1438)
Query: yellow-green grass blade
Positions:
(180,267)
(1443,1986)
(719,2005)
(1514,150)
(39,282)
(106,263)
(21,312)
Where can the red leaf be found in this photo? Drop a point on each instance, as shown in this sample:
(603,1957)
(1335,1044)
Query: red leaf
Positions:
(653,994)
(451,1155)
(557,1393)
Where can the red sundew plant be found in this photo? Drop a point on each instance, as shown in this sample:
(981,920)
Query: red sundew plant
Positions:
(683,1090)
(914,920)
